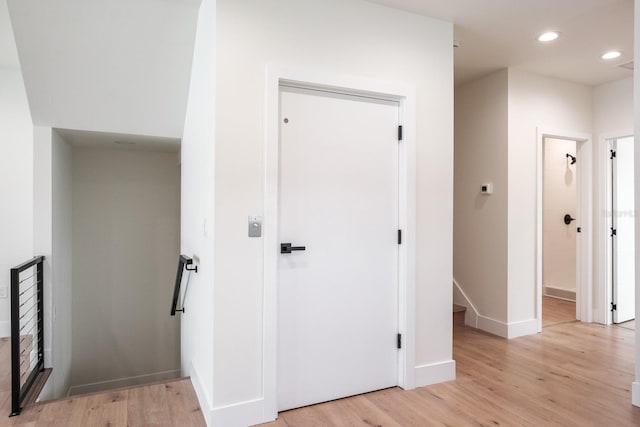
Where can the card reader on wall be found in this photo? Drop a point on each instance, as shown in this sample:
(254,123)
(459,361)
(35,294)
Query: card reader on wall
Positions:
(486,188)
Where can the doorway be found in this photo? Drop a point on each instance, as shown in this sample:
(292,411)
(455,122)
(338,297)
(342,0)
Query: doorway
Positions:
(339,246)
(564,218)
(621,227)
(559,201)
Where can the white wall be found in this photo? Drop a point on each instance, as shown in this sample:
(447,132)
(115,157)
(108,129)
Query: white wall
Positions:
(197,199)
(52,238)
(126,216)
(636,101)
(480,221)
(559,199)
(16,183)
(534,101)
(358,40)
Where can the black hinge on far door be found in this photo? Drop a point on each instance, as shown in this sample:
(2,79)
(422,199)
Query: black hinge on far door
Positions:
(614,307)
(614,232)
(399,133)
(399,237)
(613,154)
(399,340)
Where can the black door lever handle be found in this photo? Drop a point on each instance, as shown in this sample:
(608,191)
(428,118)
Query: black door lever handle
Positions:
(568,219)
(286,248)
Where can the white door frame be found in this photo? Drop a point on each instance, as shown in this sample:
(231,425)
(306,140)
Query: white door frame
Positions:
(604,314)
(584,213)
(275,76)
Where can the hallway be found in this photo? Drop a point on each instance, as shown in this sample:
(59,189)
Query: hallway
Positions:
(574,374)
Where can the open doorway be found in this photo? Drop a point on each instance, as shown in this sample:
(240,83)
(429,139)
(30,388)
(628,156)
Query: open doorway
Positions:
(559,231)
(621,231)
(571,156)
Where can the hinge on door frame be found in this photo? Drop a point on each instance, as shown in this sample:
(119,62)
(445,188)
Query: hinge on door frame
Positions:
(614,307)
(399,343)
(613,154)
(399,132)
(614,232)
(399,237)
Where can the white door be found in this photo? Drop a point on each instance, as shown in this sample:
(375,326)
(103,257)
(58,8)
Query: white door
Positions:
(623,224)
(338,298)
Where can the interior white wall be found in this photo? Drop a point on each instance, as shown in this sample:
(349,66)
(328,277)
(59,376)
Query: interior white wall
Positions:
(197,199)
(480,221)
(636,100)
(612,117)
(126,216)
(559,199)
(534,102)
(16,183)
(52,192)
(386,45)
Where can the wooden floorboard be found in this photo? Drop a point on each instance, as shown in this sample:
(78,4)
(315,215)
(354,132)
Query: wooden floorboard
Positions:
(556,311)
(161,404)
(571,374)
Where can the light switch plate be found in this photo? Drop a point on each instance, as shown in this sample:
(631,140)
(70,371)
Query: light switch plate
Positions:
(255,226)
(4,292)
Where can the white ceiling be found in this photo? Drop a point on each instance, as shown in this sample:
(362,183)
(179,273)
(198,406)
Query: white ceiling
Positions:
(116,66)
(123,66)
(119,141)
(502,33)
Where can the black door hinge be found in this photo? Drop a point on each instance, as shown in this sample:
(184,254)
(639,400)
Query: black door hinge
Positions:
(399,343)
(399,133)
(614,306)
(399,237)
(579,229)
(613,154)
(614,232)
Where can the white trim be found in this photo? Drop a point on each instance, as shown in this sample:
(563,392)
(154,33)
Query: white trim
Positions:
(240,414)
(560,293)
(461,298)
(522,328)
(203,398)
(122,382)
(635,393)
(584,213)
(5,328)
(406,97)
(493,326)
(435,373)
(604,220)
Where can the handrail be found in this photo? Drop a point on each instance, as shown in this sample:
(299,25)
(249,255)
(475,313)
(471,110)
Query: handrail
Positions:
(183,264)
(20,389)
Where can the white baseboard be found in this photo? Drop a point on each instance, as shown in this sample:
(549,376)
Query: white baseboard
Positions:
(241,414)
(635,393)
(508,330)
(435,373)
(561,293)
(203,398)
(5,328)
(493,326)
(460,298)
(123,382)
(522,328)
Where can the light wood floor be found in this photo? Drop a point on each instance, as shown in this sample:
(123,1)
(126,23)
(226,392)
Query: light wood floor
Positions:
(573,374)
(165,404)
(556,311)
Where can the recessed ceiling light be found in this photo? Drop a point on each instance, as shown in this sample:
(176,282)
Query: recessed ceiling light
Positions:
(124,142)
(548,36)
(612,54)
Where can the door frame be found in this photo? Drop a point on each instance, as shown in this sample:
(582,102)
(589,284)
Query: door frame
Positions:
(605,253)
(405,96)
(584,211)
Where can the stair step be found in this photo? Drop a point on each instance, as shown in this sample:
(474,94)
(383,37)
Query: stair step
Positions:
(459,308)
(36,388)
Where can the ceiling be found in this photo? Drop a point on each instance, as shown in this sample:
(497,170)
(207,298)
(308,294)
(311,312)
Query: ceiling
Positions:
(119,66)
(87,139)
(123,66)
(495,34)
